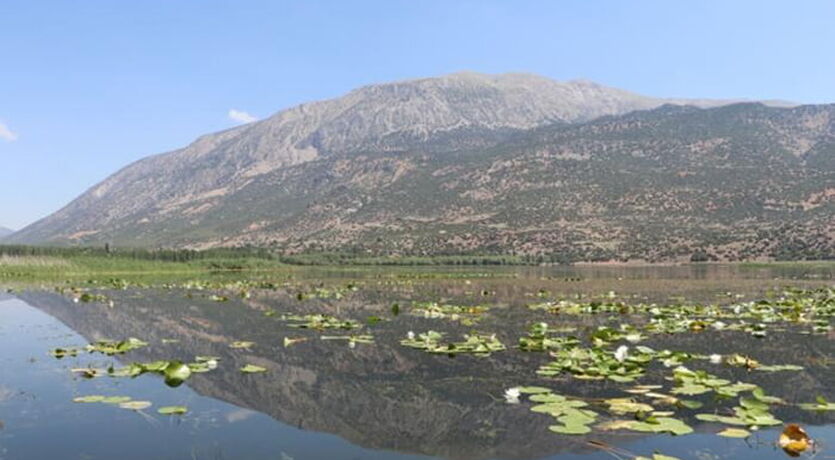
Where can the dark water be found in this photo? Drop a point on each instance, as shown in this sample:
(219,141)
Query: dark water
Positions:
(324,400)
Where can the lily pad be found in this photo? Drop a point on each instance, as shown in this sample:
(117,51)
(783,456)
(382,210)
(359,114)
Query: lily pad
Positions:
(734,433)
(176,373)
(135,405)
(661,425)
(89,399)
(172,410)
(570,429)
(253,369)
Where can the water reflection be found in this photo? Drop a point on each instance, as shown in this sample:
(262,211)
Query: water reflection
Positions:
(384,397)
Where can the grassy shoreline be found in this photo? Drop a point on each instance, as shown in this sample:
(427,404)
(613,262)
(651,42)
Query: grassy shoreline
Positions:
(34,263)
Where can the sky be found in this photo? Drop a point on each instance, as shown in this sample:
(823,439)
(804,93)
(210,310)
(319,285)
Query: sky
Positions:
(89,86)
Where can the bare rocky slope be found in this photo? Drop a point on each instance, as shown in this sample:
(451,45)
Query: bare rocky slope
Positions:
(484,164)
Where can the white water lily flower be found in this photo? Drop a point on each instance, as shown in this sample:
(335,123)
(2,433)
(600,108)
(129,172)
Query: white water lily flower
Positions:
(620,353)
(716,359)
(511,395)
(410,335)
(718,325)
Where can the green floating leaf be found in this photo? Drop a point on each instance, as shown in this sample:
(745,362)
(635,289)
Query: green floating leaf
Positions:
(689,403)
(110,347)
(533,390)
(570,429)
(352,339)
(820,404)
(622,406)
(546,398)
(779,367)
(661,425)
(253,369)
(172,410)
(176,373)
(734,433)
(727,420)
(135,405)
(88,399)
(761,396)
(319,322)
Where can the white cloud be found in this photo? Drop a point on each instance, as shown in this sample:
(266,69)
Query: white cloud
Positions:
(7,134)
(241,117)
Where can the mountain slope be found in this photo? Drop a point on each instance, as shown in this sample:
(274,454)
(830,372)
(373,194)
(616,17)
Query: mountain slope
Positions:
(738,182)
(5,232)
(450,112)
(474,163)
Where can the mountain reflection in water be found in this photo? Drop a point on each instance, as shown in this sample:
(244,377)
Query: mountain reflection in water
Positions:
(397,399)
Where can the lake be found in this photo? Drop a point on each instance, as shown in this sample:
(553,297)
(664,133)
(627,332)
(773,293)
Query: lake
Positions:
(325,393)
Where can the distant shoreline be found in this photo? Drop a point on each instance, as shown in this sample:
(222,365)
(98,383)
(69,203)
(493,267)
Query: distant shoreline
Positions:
(27,263)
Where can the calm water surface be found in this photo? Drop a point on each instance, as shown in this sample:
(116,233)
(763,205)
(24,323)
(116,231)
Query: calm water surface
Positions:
(324,400)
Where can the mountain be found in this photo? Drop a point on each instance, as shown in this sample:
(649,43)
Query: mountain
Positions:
(490,164)
(4,231)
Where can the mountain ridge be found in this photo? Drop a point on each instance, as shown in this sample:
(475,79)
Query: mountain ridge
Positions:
(263,182)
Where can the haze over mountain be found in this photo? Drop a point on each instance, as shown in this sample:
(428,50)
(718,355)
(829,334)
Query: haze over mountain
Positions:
(5,231)
(482,163)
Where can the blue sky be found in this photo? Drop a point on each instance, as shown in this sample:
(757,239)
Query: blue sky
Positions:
(87,87)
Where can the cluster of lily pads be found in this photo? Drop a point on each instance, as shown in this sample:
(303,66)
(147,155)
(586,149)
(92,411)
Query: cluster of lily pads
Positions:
(466,315)
(752,412)
(352,339)
(575,415)
(813,308)
(78,294)
(319,322)
(174,373)
(541,337)
(125,402)
(602,361)
(597,363)
(474,343)
(328,293)
(609,352)
(107,347)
